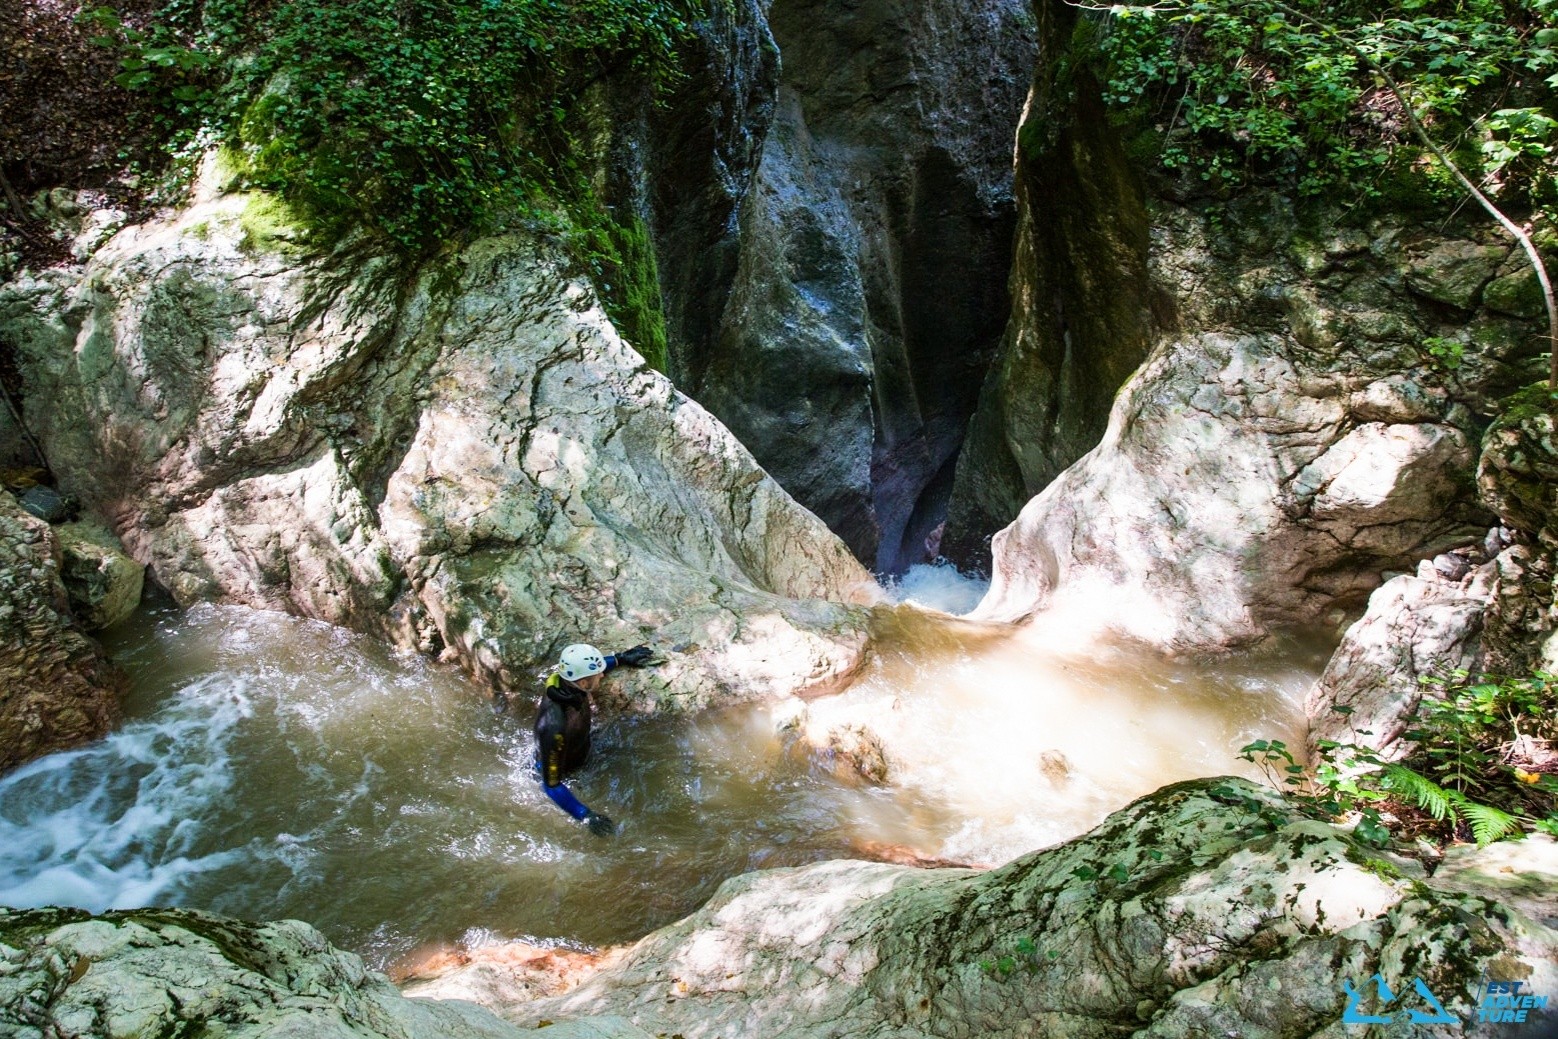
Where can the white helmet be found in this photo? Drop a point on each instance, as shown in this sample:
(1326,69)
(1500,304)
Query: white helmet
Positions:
(580,661)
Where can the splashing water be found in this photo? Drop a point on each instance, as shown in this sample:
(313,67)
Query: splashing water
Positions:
(938,586)
(273,767)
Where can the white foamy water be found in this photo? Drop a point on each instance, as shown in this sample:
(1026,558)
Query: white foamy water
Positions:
(938,586)
(1028,739)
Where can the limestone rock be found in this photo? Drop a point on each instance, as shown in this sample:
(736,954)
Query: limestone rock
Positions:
(103,582)
(1455,272)
(172,972)
(1081,300)
(1517,473)
(871,258)
(57,690)
(1416,626)
(465,458)
(1187,914)
(1229,497)
(857,754)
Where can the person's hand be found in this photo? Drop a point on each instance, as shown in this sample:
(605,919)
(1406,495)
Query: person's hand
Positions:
(599,825)
(638,656)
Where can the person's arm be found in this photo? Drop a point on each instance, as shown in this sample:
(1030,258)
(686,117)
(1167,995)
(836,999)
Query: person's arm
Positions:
(557,791)
(638,656)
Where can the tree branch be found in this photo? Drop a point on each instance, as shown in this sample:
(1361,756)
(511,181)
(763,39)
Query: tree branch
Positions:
(1520,234)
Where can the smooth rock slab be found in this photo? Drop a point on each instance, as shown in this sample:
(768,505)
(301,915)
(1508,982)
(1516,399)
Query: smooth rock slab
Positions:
(464,458)
(1201,910)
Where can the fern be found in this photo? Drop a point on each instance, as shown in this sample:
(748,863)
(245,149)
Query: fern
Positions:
(1430,796)
(1488,824)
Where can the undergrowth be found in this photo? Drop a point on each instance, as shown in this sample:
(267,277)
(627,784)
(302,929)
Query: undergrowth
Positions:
(1234,91)
(1482,765)
(419,123)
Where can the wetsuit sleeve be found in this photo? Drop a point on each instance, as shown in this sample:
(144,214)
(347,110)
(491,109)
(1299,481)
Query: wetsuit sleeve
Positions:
(552,777)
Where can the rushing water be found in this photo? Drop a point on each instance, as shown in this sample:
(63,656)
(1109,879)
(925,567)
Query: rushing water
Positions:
(274,767)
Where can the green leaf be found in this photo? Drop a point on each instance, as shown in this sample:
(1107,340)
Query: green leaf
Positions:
(1488,824)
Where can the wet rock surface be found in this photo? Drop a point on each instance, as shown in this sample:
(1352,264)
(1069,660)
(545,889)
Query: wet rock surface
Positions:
(1200,910)
(464,458)
(1193,912)
(57,689)
(874,242)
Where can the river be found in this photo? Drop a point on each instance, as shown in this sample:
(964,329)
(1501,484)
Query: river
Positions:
(270,767)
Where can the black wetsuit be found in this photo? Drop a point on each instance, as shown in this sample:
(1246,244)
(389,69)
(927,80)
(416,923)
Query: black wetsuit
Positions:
(562,740)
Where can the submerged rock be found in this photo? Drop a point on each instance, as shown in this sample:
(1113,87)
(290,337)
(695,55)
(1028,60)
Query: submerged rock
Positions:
(57,689)
(1198,911)
(465,458)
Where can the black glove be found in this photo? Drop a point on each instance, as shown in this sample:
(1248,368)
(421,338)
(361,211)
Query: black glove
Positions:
(638,656)
(599,825)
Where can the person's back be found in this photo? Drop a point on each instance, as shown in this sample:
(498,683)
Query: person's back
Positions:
(562,724)
(562,729)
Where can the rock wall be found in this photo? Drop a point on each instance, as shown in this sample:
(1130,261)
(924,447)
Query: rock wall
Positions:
(1289,440)
(57,689)
(1294,393)
(1485,609)
(1081,300)
(1197,911)
(871,253)
(464,458)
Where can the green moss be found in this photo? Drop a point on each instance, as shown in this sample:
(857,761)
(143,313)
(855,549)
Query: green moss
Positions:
(1522,406)
(621,263)
(268,222)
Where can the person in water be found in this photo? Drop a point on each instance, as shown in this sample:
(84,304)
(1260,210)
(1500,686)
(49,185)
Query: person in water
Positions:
(563,724)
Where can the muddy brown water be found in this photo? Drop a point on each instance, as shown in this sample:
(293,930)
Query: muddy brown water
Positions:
(272,767)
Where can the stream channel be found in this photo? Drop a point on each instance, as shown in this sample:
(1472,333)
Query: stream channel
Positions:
(270,767)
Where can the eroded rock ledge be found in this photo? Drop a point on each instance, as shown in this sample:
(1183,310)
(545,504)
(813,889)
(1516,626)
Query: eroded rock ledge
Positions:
(464,458)
(1200,910)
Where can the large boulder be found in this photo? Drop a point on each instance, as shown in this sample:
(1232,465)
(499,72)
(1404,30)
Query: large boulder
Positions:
(57,689)
(1417,626)
(178,972)
(464,457)
(1235,493)
(1201,910)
